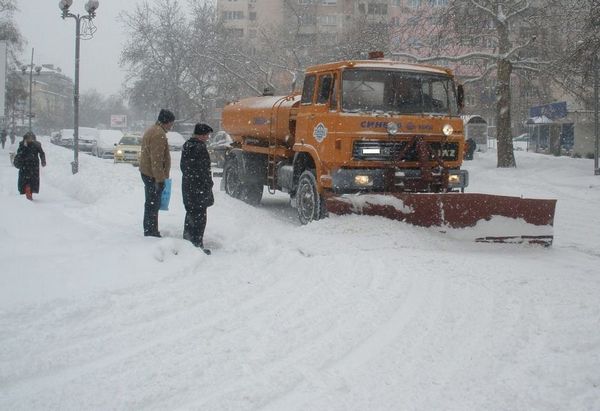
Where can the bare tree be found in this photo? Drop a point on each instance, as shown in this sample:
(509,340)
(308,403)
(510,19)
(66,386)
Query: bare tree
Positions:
(9,33)
(96,109)
(574,67)
(155,55)
(500,37)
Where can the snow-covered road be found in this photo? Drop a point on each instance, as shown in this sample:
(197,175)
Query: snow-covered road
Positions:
(348,313)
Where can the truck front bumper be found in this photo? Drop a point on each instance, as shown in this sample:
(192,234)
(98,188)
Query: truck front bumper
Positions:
(349,180)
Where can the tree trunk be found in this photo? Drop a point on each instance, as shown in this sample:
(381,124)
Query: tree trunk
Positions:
(506,156)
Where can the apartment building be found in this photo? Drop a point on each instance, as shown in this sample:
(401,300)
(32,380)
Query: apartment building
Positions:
(310,17)
(243,18)
(52,102)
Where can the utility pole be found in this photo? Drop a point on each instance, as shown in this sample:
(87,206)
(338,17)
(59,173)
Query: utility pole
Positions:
(30,88)
(596,120)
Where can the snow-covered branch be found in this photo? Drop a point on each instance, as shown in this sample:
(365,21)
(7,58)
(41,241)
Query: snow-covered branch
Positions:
(464,57)
(519,11)
(483,8)
(487,71)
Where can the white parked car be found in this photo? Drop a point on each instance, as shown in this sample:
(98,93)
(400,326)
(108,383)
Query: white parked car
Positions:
(65,137)
(175,140)
(106,143)
(87,138)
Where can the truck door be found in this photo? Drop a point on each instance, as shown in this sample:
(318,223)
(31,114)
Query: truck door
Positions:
(321,122)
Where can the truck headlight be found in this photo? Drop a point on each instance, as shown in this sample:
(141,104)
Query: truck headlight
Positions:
(454,179)
(458,179)
(119,152)
(447,130)
(361,180)
(392,128)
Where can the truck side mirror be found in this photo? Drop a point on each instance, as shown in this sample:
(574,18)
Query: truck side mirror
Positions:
(460,98)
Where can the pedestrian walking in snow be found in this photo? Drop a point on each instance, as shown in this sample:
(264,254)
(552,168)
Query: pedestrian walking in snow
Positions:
(3,135)
(155,166)
(27,160)
(12,136)
(196,185)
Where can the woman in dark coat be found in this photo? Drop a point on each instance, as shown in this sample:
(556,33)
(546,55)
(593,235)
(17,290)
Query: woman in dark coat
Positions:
(196,185)
(27,160)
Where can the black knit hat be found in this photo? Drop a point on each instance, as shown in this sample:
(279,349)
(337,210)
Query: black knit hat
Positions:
(165,116)
(202,129)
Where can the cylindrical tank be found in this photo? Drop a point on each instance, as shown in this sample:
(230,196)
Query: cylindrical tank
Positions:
(264,118)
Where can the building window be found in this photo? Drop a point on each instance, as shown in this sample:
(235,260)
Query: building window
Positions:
(395,21)
(328,20)
(396,3)
(437,3)
(233,15)
(414,3)
(238,33)
(308,19)
(413,21)
(377,9)
(252,16)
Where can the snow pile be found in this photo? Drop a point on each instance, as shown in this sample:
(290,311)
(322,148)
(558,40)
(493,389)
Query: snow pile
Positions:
(499,226)
(360,201)
(347,313)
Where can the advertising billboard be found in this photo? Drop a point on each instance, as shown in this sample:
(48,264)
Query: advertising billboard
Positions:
(118,121)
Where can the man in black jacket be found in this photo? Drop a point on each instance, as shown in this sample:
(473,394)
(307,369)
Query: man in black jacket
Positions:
(196,185)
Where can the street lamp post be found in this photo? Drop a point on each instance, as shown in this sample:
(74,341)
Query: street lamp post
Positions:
(596,120)
(37,70)
(90,7)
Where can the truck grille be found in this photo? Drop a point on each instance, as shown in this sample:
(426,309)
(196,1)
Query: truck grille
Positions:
(389,150)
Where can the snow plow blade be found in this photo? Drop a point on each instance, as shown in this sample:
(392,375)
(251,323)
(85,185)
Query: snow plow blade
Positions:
(486,217)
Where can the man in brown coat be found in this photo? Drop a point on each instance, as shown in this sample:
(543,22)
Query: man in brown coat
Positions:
(155,165)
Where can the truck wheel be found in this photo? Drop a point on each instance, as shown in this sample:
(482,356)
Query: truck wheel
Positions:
(231,177)
(252,193)
(309,203)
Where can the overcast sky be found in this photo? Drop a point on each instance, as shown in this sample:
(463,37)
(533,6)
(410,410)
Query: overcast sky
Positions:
(54,41)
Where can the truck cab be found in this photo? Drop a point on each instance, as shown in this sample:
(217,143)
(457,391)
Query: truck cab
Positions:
(360,121)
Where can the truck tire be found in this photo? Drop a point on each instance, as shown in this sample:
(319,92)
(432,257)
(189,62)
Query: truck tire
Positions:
(231,178)
(309,203)
(251,193)
(235,185)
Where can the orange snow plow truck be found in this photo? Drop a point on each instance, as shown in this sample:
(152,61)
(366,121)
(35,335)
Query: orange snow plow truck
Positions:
(374,137)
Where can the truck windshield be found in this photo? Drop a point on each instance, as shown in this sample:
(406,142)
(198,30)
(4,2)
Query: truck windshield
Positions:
(397,92)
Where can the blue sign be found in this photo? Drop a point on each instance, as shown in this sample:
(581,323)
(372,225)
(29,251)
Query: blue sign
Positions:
(553,110)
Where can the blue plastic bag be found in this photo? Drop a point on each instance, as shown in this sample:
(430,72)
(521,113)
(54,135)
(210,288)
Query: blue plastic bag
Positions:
(166,195)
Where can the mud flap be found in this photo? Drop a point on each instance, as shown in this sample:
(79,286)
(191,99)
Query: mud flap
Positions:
(488,218)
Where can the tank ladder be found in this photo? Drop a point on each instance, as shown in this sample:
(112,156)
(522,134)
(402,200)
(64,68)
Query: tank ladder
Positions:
(271,157)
